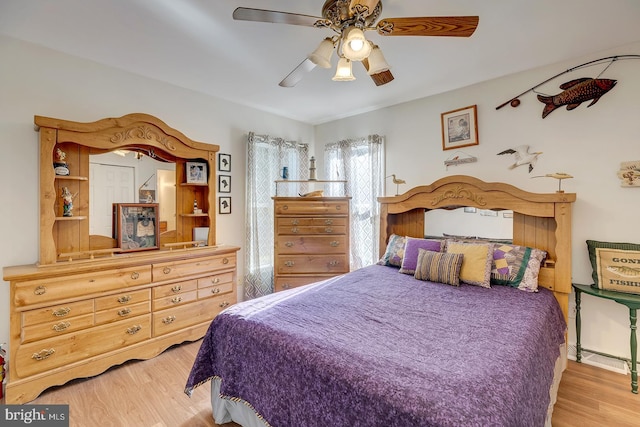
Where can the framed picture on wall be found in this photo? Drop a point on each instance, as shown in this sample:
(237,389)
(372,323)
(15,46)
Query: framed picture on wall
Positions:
(224,205)
(224,184)
(460,128)
(196,173)
(224,162)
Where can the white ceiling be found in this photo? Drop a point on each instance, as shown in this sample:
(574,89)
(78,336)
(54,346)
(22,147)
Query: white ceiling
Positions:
(196,44)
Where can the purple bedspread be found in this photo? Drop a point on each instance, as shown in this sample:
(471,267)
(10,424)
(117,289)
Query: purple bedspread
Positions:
(380,348)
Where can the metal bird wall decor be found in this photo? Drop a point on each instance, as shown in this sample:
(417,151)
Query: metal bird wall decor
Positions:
(522,156)
(575,91)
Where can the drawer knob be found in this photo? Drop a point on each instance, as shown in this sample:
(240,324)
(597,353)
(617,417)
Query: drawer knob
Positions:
(285,207)
(225,260)
(61,312)
(334,243)
(169,320)
(289,244)
(124,312)
(215,281)
(328,222)
(176,288)
(328,230)
(135,275)
(295,222)
(166,270)
(124,299)
(224,304)
(61,326)
(289,263)
(215,290)
(43,354)
(338,207)
(176,300)
(134,329)
(40,290)
(294,230)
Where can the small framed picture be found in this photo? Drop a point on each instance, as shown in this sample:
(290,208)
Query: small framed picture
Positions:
(469,209)
(136,226)
(224,162)
(224,205)
(196,173)
(460,128)
(224,184)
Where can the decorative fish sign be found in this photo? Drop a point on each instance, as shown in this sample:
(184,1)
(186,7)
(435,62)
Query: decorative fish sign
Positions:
(575,92)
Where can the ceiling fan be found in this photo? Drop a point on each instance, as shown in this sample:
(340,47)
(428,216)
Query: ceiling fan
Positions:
(349,19)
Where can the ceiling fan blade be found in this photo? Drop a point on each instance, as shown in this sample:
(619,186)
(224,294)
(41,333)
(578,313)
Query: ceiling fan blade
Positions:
(448,26)
(369,4)
(298,73)
(381,78)
(275,17)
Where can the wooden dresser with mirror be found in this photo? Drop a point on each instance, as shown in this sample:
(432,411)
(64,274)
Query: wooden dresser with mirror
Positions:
(87,305)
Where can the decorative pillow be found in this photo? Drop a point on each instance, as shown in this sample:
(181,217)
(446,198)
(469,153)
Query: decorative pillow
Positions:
(593,244)
(516,266)
(476,267)
(395,251)
(411,247)
(439,267)
(618,270)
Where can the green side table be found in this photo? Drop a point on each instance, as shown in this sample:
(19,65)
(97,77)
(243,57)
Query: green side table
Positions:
(632,301)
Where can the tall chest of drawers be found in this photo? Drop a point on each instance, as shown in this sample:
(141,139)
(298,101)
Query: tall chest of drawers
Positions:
(311,240)
(78,319)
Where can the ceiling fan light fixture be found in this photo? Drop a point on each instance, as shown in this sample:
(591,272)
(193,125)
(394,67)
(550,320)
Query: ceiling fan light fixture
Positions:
(322,55)
(377,63)
(344,71)
(355,46)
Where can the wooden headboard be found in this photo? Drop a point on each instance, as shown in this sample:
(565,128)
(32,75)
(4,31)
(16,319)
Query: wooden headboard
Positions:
(540,220)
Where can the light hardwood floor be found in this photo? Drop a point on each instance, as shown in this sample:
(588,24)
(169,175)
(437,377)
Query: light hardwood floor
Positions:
(150,394)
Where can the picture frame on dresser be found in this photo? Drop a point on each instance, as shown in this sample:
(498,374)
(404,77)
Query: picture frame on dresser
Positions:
(136,226)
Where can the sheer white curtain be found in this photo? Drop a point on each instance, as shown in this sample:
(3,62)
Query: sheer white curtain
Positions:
(266,156)
(360,162)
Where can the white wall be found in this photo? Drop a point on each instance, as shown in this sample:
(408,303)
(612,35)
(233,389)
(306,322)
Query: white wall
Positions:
(588,143)
(39,81)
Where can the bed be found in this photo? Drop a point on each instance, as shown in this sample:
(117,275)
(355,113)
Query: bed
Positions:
(379,347)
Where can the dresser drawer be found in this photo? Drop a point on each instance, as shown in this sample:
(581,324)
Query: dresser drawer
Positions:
(118,313)
(54,328)
(293,264)
(174,300)
(177,318)
(185,268)
(174,288)
(44,290)
(216,290)
(311,229)
(44,355)
(307,222)
(311,244)
(58,312)
(218,279)
(311,207)
(289,282)
(122,299)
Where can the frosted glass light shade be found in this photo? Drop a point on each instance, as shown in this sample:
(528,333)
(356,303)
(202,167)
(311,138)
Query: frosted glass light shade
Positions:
(354,45)
(377,63)
(322,55)
(344,72)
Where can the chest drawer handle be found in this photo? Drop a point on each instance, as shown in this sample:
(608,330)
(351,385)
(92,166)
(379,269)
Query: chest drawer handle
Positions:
(61,312)
(333,263)
(225,260)
(289,244)
(176,300)
(61,326)
(295,222)
(215,281)
(124,312)
(169,320)
(135,275)
(285,207)
(166,270)
(286,286)
(328,230)
(124,299)
(134,329)
(176,288)
(43,354)
(334,243)
(40,290)
(224,304)
(294,230)
(215,290)
(328,222)
(289,263)
(338,207)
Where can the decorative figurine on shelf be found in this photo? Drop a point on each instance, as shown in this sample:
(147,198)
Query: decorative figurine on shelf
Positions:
(312,169)
(67,198)
(59,165)
(285,173)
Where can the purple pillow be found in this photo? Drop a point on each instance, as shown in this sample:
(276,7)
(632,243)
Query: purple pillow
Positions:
(411,250)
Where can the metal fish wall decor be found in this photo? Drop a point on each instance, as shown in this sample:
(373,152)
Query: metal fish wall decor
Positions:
(576,91)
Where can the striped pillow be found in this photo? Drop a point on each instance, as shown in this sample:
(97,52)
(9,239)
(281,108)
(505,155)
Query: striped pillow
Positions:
(439,267)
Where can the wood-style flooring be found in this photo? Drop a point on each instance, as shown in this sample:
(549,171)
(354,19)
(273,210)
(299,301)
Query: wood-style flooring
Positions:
(150,394)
